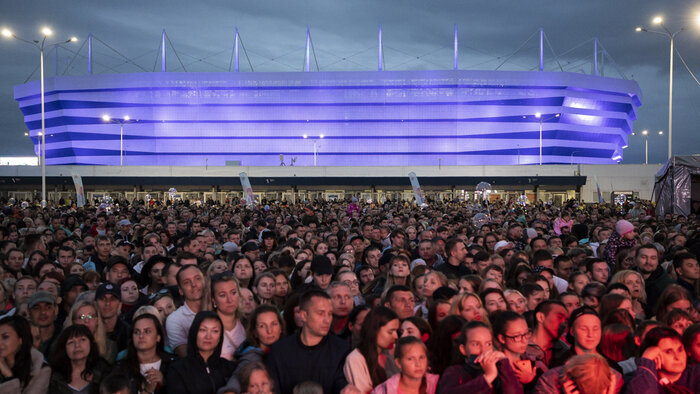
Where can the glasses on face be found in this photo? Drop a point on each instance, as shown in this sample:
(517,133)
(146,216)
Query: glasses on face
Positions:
(158,295)
(86,317)
(520,337)
(352,282)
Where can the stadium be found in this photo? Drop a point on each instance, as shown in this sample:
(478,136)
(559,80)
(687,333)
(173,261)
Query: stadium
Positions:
(365,129)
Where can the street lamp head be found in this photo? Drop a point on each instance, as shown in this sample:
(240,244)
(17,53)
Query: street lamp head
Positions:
(538,115)
(661,132)
(6,33)
(638,29)
(645,132)
(557,115)
(106,118)
(26,134)
(46,31)
(127,118)
(633,133)
(657,20)
(74,39)
(321,136)
(305,136)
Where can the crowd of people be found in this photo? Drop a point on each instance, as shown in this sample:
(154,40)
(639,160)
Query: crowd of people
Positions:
(348,297)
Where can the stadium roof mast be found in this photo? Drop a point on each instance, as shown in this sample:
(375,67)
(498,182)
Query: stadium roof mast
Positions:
(235,50)
(456,48)
(381,55)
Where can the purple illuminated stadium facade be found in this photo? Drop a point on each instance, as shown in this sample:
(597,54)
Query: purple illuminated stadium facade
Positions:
(367,118)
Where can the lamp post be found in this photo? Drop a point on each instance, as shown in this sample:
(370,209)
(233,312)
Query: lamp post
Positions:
(126,119)
(315,140)
(658,20)
(645,133)
(46,32)
(542,120)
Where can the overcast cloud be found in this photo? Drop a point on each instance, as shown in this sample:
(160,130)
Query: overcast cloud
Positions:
(417,35)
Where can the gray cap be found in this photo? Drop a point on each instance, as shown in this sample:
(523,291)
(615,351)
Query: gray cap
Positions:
(41,296)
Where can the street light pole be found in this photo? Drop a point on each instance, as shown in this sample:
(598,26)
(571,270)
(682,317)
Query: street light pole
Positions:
(539,116)
(46,32)
(672,36)
(126,119)
(315,141)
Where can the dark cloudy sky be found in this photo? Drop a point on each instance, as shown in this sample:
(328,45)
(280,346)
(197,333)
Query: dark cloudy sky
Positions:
(273,32)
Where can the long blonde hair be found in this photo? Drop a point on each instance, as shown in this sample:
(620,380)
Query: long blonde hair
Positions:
(100,331)
(457,306)
(621,276)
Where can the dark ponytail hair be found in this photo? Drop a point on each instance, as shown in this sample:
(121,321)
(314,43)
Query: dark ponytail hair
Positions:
(375,320)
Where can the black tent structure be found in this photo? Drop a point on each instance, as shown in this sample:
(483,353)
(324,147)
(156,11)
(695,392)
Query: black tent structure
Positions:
(677,186)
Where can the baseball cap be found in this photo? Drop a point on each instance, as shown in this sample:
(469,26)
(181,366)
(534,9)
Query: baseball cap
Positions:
(70,282)
(230,247)
(124,222)
(108,288)
(114,260)
(41,296)
(250,246)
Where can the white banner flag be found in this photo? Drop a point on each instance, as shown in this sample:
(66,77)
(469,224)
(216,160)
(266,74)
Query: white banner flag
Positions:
(247,190)
(416,188)
(79,190)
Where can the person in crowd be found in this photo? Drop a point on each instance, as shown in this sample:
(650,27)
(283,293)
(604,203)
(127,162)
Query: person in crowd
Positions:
(584,373)
(243,270)
(191,283)
(146,362)
(371,362)
(311,345)
(485,370)
(663,365)
(545,344)
(265,328)
(202,370)
(223,297)
(108,301)
(687,270)
(416,327)
(512,335)
(85,312)
(255,379)
(342,304)
(43,312)
(411,356)
(76,363)
(22,367)
(691,341)
(655,277)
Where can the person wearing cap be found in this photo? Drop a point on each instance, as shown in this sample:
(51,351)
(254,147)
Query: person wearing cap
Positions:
(124,248)
(251,250)
(623,237)
(71,287)
(109,305)
(124,232)
(117,269)
(321,272)
(585,332)
(43,311)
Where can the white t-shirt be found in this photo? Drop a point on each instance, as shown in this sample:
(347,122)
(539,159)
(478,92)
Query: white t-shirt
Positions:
(232,340)
(149,366)
(178,325)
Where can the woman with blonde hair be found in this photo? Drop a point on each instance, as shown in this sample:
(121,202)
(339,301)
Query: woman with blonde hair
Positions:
(469,306)
(635,283)
(85,313)
(223,295)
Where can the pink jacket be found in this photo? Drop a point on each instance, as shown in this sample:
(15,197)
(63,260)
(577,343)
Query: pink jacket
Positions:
(560,222)
(391,385)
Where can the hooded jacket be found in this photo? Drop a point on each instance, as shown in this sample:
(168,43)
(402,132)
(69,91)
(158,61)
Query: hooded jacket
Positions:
(193,375)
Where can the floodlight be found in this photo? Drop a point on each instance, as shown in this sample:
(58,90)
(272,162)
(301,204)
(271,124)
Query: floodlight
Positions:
(106,118)
(46,31)
(657,20)
(6,33)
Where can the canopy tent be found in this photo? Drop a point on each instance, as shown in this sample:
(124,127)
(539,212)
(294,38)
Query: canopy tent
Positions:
(675,183)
